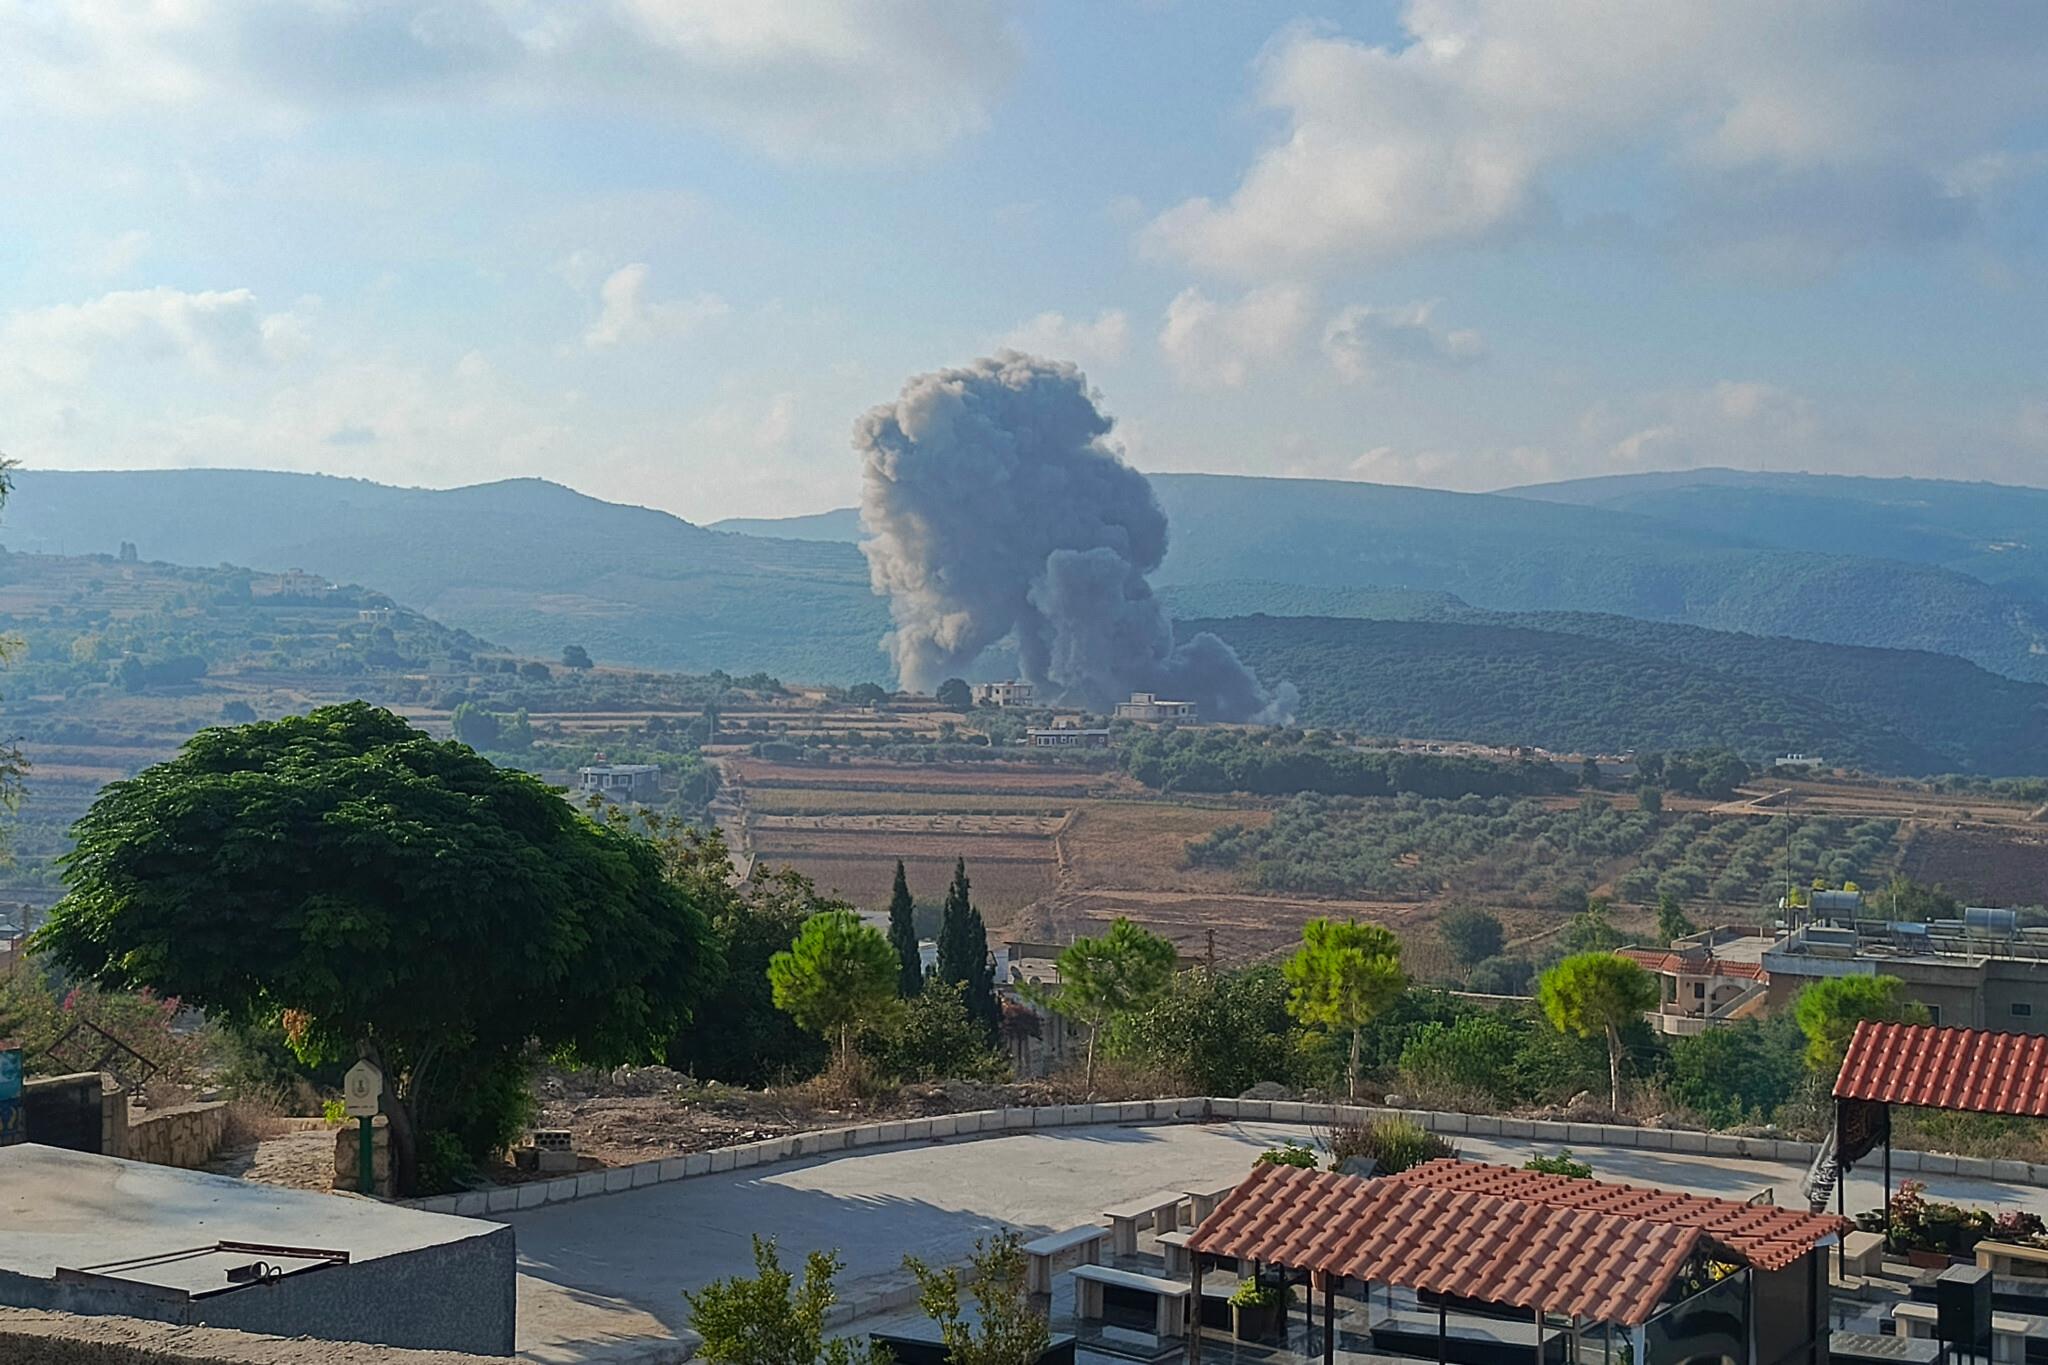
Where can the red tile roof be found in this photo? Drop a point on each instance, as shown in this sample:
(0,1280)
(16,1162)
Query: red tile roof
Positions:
(1691,964)
(1761,1235)
(1970,1069)
(1592,1265)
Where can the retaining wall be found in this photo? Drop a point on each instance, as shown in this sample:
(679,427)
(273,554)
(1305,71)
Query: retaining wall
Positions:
(31,1337)
(996,1122)
(185,1135)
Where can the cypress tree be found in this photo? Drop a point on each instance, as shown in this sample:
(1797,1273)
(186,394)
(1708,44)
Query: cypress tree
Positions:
(903,937)
(963,951)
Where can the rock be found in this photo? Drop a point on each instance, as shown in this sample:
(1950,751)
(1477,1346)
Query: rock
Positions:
(1269,1090)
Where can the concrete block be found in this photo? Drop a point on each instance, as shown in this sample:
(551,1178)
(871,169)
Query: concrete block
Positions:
(1654,1139)
(675,1168)
(2012,1172)
(1193,1109)
(1586,1134)
(1618,1135)
(721,1160)
(860,1135)
(1077,1115)
(995,1120)
(917,1130)
(561,1190)
(1450,1122)
(1516,1128)
(589,1183)
(1937,1163)
(890,1132)
(1721,1144)
(645,1173)
(1905,1162)
(1975,1167)
(1254,1111)
(475,1204)
(1287,1111)
(942,1125)
(1541,1130)
(1133,1111)
(618,1178)
(444,1203)
(1016,1119)
(1685,1140)
(504,1199)
(1419,1117)
(533,1194)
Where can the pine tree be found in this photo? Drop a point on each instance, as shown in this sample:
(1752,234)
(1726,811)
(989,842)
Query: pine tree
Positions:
(903,936)
(963,951)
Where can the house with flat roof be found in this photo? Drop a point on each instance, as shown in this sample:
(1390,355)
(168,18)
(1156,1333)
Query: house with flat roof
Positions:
(1980,971)
(1148,708)
(1004,694)
(621,781)
(1067,732)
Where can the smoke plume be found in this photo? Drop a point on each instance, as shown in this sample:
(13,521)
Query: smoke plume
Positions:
(995,509)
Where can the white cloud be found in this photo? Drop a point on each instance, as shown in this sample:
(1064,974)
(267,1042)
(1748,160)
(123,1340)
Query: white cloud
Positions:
(627,315)
(1055,335)
(860,79)
(1363,342)
(209,332)
(1217,345)
(118,255)
(1459,134)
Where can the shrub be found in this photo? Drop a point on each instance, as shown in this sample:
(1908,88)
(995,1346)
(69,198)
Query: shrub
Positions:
(1562,1164)
(1294,1154)
(1393,1145)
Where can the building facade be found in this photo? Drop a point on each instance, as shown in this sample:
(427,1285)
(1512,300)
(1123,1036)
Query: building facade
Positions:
(1067,732)
(1149,709)
(1982,971)
(621,781)
(1004,694)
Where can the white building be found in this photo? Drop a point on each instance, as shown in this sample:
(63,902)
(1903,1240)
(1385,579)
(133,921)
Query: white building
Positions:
(1148,709)
(1004,694)
(621,781)
(1066,732)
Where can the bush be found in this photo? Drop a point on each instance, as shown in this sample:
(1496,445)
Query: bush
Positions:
(1219,1033)
(1394,1145)
(1475,1055)
(1471,934)
(1562,1164)
(1294,1154)
(933,1038)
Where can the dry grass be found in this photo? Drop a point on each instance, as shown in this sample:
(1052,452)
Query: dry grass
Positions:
(1143,845)
(828,801)
(250,1121)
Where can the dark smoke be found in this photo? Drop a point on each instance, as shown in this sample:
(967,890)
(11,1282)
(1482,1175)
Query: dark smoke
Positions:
(995,509)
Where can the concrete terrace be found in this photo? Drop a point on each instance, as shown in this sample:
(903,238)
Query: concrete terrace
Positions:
(601,1279)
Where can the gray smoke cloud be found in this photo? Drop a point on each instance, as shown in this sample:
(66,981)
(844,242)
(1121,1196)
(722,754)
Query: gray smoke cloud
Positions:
(995,509)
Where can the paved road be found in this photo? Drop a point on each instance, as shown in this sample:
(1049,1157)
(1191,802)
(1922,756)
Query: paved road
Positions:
(602,1279)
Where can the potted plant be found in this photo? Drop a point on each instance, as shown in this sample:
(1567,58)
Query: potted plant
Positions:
(1257,1309)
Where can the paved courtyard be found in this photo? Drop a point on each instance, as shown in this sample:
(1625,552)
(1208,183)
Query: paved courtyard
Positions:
(602,1279)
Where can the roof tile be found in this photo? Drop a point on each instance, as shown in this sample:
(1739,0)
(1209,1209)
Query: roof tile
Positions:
(1975,1070)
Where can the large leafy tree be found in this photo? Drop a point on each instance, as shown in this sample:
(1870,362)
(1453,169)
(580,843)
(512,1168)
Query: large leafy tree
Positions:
(1597,995)
(388,896)
(1341,978)
(1829,1011)
(963,950)
(836,976)
(1103,979)
(1219,1032)
(903,936)
(1471,934)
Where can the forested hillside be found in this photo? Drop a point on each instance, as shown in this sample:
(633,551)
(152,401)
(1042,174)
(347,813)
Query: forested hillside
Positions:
(1603,684)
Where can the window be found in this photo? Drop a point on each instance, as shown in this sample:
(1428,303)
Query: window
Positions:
(1699,990)
(1934,1014)
(2022,1009)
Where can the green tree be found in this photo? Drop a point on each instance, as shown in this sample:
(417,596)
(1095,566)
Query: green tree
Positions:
(1589,774)
(933,1038)
(1471,934)
(868,694)
(838,975)
(475,726)
(769,1319)
(576,656)
(391,897)
(1103,979)
(1740,1071)
(1005,1328)
(1341,977)
(1218,1032)
(955,695)
(1672,923)
(903,936)
(1475,1055)
(1596,995)
(1650,801)
(963,950)
(1828,1012)
(1591,931)
(1501,976)
(533,670)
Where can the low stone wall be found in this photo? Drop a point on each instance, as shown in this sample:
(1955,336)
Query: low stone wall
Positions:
(996,1122)
(186,1135)
(31,1337)
(348,1155)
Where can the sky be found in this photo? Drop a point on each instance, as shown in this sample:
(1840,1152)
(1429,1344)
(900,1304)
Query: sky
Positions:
(667,251)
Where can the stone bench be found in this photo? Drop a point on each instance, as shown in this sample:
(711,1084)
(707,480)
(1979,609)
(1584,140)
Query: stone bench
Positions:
(1202,1203)
(1169,1299)
(1161,1211)
(1042,1252)
(1863,1253)
(2012,1260)
(2009,1331)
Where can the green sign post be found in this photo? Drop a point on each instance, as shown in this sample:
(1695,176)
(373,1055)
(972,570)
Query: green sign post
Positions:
(362,1094)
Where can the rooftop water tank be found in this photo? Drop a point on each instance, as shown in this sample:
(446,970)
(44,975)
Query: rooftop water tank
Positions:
(1981,919)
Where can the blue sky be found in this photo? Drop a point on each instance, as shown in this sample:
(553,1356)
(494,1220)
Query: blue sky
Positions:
(666,251)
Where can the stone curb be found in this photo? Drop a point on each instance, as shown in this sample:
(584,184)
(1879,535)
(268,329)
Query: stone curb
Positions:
(997,1122)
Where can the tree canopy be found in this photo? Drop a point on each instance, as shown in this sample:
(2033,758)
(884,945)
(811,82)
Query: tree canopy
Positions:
(1596,995)
(963,950)
(837,975)
(1102,979)
(1828,1012)
(1341,977)
(903,936)
(389,895)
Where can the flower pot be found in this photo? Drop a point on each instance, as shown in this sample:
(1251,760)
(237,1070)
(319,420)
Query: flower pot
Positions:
(1927,1260)
(1255,1321)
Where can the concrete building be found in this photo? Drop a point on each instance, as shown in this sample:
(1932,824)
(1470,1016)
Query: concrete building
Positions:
(621,781)
(1066,732)
(1148,709)
(1004,694)
(1981,971)
(1707,978)
(98,1236)
(14,928)
(1799,763)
